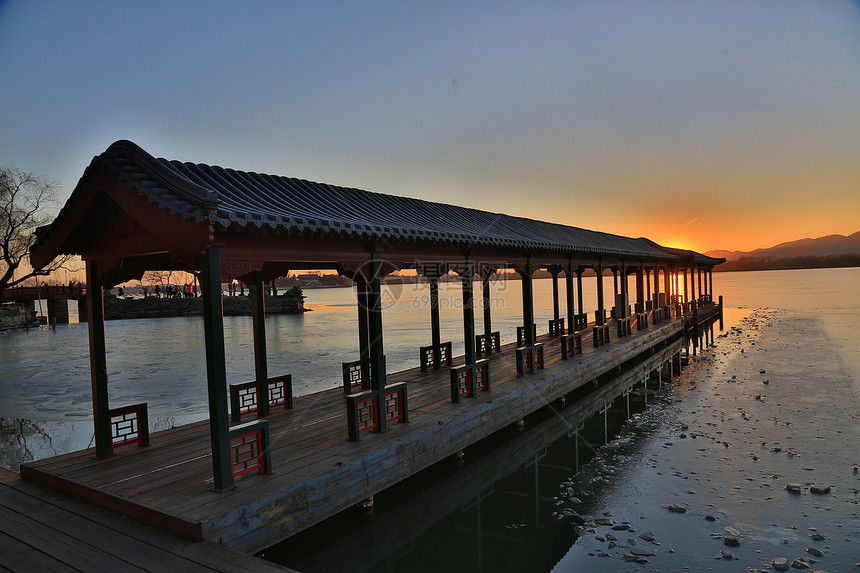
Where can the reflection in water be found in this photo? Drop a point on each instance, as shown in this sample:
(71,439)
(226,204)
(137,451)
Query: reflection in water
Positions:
(506,506)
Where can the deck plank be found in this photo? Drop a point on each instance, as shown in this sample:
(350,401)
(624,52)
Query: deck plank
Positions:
(45,530)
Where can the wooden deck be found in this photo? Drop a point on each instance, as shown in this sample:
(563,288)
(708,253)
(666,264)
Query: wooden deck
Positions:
(42,530)
(317,471)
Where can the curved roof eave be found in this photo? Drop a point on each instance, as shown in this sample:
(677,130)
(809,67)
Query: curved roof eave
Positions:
(247,200)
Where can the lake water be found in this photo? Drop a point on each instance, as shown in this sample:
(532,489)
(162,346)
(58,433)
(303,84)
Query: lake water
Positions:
(45,403)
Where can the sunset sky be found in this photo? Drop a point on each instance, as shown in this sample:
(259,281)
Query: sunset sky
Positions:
(698,124)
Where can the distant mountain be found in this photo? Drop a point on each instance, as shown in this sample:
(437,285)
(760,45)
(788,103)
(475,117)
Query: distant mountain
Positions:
(831,245)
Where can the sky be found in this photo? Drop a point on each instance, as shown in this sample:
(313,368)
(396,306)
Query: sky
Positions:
(698,124)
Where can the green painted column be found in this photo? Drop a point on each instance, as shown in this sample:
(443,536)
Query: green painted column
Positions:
(579,298)
(528,304)
(667,280)
(435,328)
(554,270)
(624,290)
(361,292)
(467,279)
(647,283)
(486,272)
(98,362)
(374,316)
(686,291)
(258,316)
(656,284)
(601,312)
(568,284)
(216,369)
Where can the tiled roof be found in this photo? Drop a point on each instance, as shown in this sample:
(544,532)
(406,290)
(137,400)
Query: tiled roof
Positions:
(233,198)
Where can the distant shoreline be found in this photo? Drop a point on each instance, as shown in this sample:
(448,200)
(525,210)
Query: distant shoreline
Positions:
(791,263)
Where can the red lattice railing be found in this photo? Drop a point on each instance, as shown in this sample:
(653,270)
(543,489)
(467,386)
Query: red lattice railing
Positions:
(600,334)
(624,326)
(482,375)
(571,345)
(464,382)
(356,376)
(556,327)
(435,358)
(467,379)
(363,409)
(368,413)
(129,425)
(486,344)
(529,359)
(249,448)
(245,397)
(394,408)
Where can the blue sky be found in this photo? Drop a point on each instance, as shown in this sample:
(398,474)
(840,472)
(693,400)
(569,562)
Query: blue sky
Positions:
(706,125)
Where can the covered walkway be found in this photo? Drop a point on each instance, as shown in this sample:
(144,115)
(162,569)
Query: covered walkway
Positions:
(131,213)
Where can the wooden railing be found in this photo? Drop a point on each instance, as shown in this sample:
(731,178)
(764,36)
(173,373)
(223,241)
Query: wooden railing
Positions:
(245,397)
(641,321)
(129,425)
(556,327)
(529,359)
(581,321)
(624,326)
(466,380)
(521,334)
(487,344)
(357,375)
(249,448)
(600,334)
(571,345)
(435,358)
(363,411)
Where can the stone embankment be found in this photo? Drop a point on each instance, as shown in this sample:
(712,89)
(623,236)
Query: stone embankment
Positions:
(151,307)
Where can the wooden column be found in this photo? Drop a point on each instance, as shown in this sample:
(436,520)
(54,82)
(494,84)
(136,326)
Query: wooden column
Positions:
(615,281)
(98,361)
(258,316)
(467,278)
(554,270)
(374,323)
(528,304)
(435,328)
(579,303)
(692,283)
(647,280)
(600,316)
(711,281)
(361,292)
(568,284)
(486,272)
(667,282)
(656,284)
(640,288)
(216,369)
(686,291)
(625,289)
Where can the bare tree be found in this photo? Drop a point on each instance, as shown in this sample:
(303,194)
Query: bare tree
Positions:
(26,203)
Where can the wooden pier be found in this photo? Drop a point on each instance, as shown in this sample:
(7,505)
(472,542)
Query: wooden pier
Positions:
(246,485)
(317,471)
